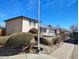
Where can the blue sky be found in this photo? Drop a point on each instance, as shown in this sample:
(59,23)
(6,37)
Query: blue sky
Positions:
(55,12)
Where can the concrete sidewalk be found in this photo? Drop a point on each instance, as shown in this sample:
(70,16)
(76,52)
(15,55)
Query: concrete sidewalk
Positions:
(64,52)
(75,52)
(29,56)
(40,56)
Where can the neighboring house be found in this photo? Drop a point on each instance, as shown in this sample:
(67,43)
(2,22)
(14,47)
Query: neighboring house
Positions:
(20,24)
(2,31)
(47,31)
(65,31)
(50,31)
(58,30)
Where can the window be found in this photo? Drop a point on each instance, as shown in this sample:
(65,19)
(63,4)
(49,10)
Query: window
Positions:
(49,31)
(29,22)
(34,23)
(52,31)
(44,30)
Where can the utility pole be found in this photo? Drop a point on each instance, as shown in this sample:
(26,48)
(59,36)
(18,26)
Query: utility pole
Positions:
(38,26)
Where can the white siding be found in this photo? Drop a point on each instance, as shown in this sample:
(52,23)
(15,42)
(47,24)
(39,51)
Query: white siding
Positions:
(26,26)
(48,33)
(36,26)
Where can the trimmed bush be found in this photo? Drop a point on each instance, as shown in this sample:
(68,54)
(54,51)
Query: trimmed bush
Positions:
(42,40)
(34,31)
(3,40)
(55,41)
(18,40)
(36,37)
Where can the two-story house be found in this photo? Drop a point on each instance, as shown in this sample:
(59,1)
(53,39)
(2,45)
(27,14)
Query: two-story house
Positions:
(20,24)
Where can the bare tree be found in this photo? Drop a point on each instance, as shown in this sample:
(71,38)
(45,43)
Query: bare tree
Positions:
(74,28)
(57,26)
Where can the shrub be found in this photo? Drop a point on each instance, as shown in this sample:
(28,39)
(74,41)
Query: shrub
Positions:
(34,31)
(42,40)
(64,35)
(55,41)
(3,40)
(36,37)
(17,40)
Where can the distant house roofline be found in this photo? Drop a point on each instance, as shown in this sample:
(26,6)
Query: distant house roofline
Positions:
(21,17)
(45,27)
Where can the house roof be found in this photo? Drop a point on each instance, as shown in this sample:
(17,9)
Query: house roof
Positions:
(21,17)
(45,27)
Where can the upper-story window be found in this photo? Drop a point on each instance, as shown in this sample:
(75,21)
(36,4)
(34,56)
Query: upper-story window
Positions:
(30,23)
(34,23)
